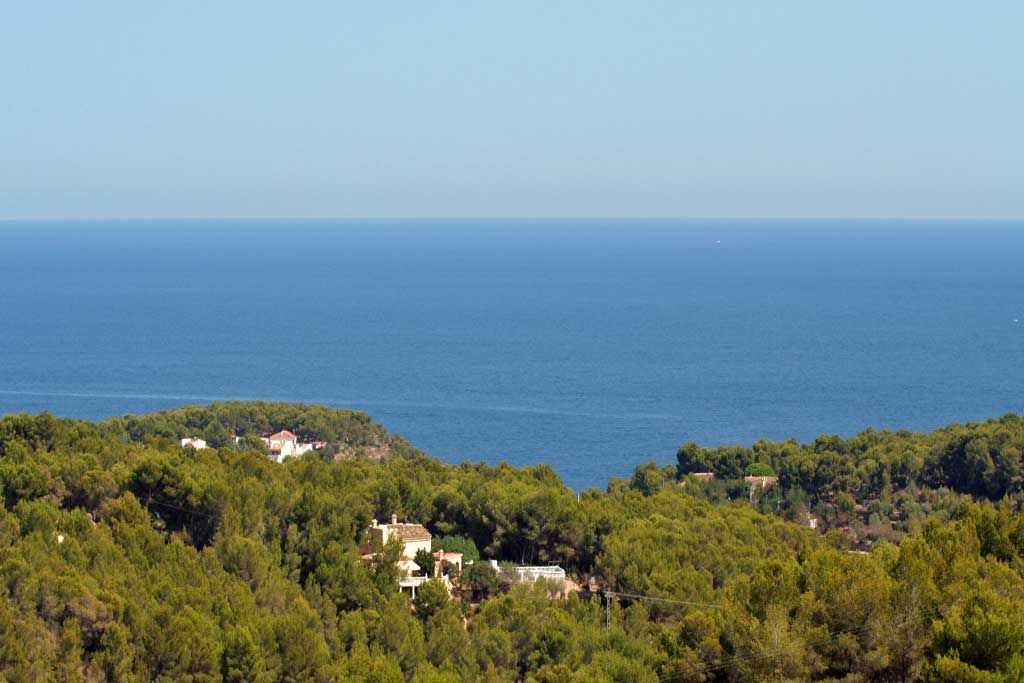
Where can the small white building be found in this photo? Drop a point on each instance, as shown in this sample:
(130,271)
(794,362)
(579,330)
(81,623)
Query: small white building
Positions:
(193,442)
(812,520)
(446,556)
(527,574)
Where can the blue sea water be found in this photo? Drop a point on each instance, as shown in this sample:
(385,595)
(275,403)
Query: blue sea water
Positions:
(592,345)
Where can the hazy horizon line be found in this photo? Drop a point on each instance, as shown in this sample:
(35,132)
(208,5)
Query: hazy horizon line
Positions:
(433,218)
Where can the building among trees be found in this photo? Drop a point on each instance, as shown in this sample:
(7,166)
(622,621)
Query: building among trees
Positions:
(193,442)
(285,443)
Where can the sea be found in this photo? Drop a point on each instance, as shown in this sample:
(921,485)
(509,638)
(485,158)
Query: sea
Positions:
(592,345)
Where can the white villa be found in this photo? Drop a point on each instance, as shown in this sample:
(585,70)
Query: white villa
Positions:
(414,538)
(193,442)
(284,444)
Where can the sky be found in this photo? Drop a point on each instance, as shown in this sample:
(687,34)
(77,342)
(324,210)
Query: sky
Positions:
(321,108)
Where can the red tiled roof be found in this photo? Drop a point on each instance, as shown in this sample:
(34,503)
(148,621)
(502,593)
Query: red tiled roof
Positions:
(442,555)
(410,532)
(284,435)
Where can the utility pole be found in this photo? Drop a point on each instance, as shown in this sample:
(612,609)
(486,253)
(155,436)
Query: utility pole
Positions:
(607,610)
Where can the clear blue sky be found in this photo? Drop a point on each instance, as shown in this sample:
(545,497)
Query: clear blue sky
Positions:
(550,108)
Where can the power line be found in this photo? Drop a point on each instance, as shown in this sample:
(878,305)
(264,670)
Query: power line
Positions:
(181,509)
(634,596)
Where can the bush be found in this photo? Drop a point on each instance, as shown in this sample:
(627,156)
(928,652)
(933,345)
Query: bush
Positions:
(457,544)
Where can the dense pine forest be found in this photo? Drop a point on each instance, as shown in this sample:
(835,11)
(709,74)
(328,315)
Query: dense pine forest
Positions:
(126,557)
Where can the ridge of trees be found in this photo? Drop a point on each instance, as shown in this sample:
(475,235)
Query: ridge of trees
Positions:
(124,557)
(346,431)
(983,459)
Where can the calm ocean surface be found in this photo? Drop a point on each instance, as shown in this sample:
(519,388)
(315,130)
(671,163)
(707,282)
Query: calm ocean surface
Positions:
(592,345)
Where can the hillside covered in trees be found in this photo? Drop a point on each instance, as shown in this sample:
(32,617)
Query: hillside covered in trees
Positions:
(877,484)
(124,557)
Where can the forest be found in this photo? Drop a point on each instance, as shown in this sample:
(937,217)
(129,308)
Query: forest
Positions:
(874,485)
(125,557)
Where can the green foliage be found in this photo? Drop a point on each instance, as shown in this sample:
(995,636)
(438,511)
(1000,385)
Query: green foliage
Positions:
(425,560)
(457,544)
(346,431)
(126,558)
(760,469)
(243,659)
(648,478)
(431,597)
(983,459)
(483,578)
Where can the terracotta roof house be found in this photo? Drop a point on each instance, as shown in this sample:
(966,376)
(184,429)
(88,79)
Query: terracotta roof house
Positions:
(283,444)
(410,532)
(761,482)
(414,537)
